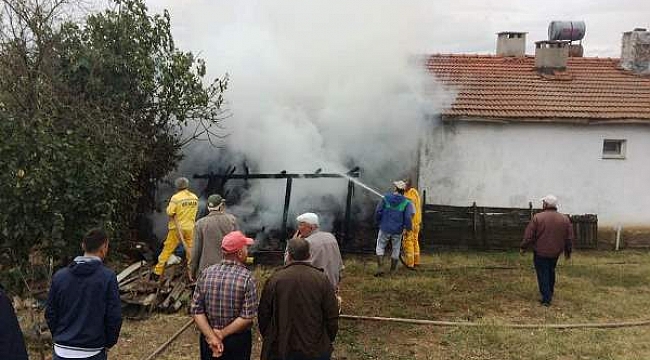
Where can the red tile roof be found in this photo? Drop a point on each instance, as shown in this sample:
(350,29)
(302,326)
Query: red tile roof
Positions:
(510,89)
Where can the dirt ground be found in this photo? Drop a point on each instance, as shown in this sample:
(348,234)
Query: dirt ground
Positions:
(486,288)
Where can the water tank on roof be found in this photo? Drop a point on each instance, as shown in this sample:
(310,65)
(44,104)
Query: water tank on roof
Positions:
(566,30)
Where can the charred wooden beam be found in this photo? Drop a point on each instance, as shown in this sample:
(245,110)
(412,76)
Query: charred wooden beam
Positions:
(287,200)
(348,212)
(274,176)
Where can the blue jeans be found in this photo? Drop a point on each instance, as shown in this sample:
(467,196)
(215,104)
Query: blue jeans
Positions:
(545,268)
(395,241)
(101,356)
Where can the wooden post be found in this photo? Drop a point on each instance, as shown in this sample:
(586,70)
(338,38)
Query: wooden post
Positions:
(287,199)
(593,230)
(474,222)
(576,223)
(483,229)
(348,206)
(530,210)
(424,222)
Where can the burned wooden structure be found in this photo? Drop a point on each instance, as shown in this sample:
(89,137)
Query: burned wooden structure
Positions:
(222,178)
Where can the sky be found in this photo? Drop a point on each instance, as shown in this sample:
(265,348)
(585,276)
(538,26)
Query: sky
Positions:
(334,84)
(458,26)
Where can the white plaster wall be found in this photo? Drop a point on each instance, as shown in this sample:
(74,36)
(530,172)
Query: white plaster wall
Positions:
(512,164)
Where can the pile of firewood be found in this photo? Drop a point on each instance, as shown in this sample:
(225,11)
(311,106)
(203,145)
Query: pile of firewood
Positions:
(141,295)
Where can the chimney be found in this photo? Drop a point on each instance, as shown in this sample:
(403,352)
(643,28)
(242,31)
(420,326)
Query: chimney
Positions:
(576,50)
(551,55)
(635,51)
(511,43)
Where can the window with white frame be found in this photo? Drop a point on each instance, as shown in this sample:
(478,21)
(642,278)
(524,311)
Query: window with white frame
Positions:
(614,148)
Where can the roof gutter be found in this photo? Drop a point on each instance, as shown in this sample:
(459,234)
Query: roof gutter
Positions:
(580,121)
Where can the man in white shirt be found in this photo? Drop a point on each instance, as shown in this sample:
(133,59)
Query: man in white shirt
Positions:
(323,247)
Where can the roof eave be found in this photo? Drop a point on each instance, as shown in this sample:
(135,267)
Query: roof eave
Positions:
(527,120)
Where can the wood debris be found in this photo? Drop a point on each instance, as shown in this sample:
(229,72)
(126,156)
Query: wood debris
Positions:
(141,295)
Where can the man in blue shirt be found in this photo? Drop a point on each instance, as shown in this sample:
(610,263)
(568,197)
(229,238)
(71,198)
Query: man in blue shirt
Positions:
(83,308)
(12,343)
(393,214)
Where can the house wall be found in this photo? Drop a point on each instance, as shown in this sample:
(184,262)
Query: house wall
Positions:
(511,164)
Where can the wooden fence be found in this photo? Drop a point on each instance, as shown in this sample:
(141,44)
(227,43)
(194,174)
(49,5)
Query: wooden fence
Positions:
(490,228)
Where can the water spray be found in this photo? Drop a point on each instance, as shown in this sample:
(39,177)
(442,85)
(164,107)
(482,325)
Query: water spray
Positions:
(358,182)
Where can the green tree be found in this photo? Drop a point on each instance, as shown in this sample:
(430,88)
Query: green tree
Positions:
(92,115)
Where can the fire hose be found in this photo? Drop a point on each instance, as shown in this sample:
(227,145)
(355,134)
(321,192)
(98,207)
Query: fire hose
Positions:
(611,325)
(162,347)
(511,326)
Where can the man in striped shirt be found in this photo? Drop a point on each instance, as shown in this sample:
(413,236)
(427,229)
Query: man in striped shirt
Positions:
(225,303)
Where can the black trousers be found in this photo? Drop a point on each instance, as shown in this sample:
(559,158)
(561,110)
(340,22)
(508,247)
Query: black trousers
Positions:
(545,269)
(235,347)
(326,356)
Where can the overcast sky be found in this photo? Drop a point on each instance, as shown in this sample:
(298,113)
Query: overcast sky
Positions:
(457,26)
(296,65)
(321,83)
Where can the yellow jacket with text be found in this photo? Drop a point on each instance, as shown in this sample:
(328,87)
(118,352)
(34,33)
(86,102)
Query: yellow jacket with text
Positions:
(184,205)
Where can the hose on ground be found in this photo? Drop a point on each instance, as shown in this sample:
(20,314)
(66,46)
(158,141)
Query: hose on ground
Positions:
(611,325)
(162,347)
(512,326)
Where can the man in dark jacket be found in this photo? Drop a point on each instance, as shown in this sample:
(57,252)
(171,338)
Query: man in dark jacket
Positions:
(12,344)
(393,214)
(549,233)
(83,308)
(298,311)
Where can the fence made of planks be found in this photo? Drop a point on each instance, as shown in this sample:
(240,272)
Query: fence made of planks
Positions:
(491,228)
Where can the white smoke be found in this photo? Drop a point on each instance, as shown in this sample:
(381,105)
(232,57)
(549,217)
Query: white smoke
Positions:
(314,84)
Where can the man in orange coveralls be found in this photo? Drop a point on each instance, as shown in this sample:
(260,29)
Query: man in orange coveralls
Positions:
(410,243)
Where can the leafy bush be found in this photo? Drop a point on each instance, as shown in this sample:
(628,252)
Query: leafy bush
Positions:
(92,115)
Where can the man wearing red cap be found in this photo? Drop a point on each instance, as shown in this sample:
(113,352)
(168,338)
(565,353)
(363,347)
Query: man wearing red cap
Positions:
(225,303)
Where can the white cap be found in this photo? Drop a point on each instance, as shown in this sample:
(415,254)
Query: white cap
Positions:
(309,218)
(550,200)
(400,184)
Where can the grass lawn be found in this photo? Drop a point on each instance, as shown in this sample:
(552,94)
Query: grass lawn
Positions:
(489,288)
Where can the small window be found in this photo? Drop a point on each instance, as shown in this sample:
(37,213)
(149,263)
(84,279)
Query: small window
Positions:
(614,149)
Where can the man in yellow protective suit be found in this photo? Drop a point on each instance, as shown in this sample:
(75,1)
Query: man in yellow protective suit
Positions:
(181,210)
(410,244)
